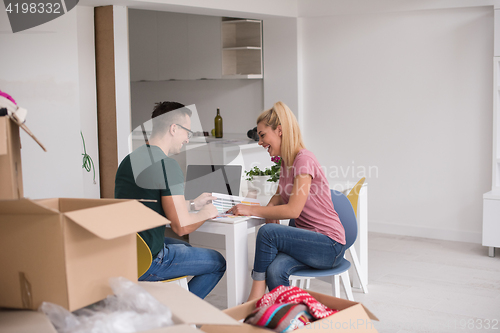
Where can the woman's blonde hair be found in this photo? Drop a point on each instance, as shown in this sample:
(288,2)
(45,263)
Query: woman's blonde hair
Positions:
(291,139)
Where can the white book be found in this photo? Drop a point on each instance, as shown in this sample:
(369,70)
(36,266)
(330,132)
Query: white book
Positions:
(224,202)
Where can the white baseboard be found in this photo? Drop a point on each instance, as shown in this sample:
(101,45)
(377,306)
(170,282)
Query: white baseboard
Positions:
(425,232)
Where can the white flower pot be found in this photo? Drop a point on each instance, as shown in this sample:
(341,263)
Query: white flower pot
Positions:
(262,189)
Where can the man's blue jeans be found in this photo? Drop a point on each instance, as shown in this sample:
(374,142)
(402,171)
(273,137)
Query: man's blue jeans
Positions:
(179,258)
(281,250)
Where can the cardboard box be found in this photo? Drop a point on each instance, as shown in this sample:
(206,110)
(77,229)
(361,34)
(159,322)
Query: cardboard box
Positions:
(11,178)
(25,322)
(187,310)
(64,251)
(352,317)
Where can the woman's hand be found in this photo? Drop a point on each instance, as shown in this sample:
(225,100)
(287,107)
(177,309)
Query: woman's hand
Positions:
(272,221)
(202,200)
(241,209)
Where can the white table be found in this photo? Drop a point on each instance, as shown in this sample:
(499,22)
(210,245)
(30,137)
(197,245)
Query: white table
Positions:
(236,245)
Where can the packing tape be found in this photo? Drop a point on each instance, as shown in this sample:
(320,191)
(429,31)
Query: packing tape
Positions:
(26,295)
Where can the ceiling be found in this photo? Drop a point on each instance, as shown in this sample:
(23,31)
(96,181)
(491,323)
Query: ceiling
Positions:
(261,9)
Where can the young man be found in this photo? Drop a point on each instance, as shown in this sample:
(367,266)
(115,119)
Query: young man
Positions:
(148,173)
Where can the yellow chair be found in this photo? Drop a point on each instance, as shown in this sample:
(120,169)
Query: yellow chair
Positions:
(144,260)
(353,197)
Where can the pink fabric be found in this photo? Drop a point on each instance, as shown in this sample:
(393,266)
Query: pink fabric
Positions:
(282,294)
(3,94)
(318,214)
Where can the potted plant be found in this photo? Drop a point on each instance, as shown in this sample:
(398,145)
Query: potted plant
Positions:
(265,181)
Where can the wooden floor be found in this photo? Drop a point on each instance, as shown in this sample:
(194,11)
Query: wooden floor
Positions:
(422,285)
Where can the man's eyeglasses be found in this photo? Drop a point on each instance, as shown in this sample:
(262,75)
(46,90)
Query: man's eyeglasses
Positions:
(190,133)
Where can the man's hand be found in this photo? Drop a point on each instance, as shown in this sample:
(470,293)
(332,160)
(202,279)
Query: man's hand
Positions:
(272,221)
(202,200)
(209,210)
(241,209)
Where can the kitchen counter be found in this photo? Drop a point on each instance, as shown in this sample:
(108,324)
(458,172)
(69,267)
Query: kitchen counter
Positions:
(229,139)
(233,148)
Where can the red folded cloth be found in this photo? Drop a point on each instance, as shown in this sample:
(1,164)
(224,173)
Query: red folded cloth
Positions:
(282,294)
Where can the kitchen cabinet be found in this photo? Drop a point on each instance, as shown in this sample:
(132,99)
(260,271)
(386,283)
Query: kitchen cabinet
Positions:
(204,45)
(172,31)
(143,45)
(241,48)
(174,46)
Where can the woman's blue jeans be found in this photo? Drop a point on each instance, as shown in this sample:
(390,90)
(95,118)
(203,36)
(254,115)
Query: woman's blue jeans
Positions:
(281,250)
(179,258)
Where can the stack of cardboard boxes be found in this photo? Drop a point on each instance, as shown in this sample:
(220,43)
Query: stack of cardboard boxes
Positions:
(64,251)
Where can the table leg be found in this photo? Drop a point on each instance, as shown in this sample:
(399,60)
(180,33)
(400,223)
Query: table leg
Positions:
(238,280)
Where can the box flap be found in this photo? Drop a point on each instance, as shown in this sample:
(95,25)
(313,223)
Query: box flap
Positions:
(185,306)
(352,319)
(239,312)
(338,303)
(174,329)
(243,328)
(24,207)
(71,204)
(49,203)
(25,322)
(370,314)
(118,219)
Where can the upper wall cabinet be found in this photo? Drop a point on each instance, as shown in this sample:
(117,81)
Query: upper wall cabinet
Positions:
(241,48)
(143,45)
(173,46)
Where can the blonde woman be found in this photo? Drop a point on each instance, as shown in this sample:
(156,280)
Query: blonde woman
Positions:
(303,194)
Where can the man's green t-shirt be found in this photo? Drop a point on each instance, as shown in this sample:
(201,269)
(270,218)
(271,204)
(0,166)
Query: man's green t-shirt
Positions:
(147,173)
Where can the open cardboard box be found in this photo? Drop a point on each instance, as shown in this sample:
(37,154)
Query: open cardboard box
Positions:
(13,321)
(64,251)
(11,176)
(187,310)
(352,317)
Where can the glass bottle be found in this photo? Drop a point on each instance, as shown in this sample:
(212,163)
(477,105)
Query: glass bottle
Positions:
(218,125)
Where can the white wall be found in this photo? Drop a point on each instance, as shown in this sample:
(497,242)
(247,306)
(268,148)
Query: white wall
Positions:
(49,71)
(408,94)
(122,79)
(240,101)
(281,62)
(87,98)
